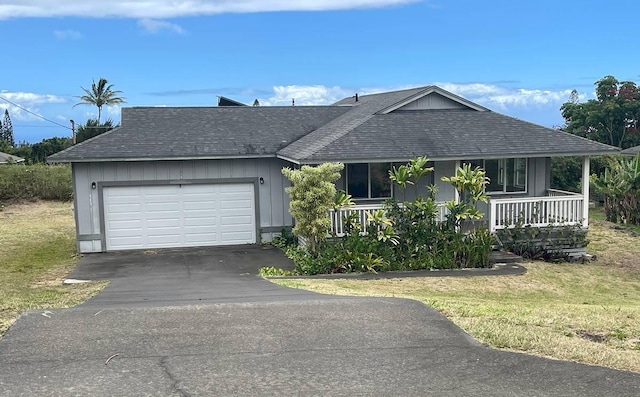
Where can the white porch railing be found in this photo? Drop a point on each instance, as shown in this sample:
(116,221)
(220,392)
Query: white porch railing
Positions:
(559,207)
(337,216)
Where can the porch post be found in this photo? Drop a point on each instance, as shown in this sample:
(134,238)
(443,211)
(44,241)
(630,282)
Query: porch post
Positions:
(585,190)
(456,194)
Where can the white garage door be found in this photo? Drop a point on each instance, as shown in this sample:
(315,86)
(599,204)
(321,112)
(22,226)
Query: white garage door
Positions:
(179,216)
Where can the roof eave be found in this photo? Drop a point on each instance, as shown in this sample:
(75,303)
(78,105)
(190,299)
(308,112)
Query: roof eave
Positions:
(398,159)
(180,158)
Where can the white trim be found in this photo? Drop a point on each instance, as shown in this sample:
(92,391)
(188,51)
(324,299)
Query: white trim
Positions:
(585,190)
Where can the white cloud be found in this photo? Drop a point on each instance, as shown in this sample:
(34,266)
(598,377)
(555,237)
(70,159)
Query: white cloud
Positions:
(305,95)
(67,34)
(161,9)
(155,26)
(502,97)
(25,100)
(490,95)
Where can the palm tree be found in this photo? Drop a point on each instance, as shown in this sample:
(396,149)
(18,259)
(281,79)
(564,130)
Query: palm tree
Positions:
(99,95)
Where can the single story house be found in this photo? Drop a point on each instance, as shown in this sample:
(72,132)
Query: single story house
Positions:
(198,176)
(6,158)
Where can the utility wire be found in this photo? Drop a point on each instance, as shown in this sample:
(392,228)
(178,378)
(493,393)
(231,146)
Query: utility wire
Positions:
(35,114)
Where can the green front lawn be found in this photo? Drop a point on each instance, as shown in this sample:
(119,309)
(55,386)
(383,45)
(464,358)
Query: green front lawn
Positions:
(37,252)
(588,313)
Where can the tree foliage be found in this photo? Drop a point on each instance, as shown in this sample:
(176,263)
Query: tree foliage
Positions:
(312,194)
(92,128)
(34,153)
(611,118)
(620,185)
(100,94)
(6,129)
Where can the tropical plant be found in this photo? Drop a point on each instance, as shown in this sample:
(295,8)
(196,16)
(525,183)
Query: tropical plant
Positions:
(100,94)
(92,128)
(312,193)
(620,185)
(470,184)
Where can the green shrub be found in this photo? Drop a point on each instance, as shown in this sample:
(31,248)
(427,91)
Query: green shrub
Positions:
(35,182)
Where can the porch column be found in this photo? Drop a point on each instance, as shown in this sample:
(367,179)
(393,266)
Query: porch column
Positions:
(456,194)
(585,190)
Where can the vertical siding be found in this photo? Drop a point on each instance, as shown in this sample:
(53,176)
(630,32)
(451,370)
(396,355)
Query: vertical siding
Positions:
(446,192)
(433,101)
(539,174)
(273,201)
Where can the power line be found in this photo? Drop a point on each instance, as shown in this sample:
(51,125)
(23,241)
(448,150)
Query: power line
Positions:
(35,114)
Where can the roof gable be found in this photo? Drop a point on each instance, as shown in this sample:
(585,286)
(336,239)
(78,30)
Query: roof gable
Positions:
(433,97)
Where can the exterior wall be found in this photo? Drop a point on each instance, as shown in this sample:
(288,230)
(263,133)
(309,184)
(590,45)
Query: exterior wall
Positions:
(272,203)
(446,192)
(433,101)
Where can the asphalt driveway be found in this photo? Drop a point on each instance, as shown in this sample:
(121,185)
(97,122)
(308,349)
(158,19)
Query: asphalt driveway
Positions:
(186,276)
(200,322)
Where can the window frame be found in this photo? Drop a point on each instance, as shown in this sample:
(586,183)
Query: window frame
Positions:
(368,198)
(504,175)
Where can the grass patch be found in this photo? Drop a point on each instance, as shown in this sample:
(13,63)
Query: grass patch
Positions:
(589,313)
(35,182)
(37,247)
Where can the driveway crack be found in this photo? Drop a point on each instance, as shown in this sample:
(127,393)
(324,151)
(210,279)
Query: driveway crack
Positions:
(174,382)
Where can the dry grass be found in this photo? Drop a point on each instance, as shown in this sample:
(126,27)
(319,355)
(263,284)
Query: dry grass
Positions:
(588,313)
(37,251)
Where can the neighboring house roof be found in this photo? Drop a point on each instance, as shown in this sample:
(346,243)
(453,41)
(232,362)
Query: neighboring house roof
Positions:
(224,101)
(166,133)
(632,151)
(9,158)
(390,126)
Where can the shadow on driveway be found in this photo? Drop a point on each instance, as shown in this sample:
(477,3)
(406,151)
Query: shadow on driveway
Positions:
(171,277)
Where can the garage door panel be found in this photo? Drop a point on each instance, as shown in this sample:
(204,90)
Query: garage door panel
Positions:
(163,223)
(236,237)
(179,215)
(128,242)
(124,208)
(125,224)
(235,220)
(162,207)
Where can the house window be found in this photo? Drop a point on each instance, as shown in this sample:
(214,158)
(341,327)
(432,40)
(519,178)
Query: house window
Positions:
(368,181)
(506,175)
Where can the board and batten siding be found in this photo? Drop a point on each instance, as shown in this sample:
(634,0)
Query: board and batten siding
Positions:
(273,202)
(433,101)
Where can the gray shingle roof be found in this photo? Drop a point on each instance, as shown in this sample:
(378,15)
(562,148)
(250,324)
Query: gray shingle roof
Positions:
(359,113)
(632,151)
(201,132)
(6,158)
(351,131)
(451,134)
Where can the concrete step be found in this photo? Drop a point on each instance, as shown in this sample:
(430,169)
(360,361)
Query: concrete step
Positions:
(504,257)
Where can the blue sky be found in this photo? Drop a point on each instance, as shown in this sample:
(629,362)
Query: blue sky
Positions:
(520,58)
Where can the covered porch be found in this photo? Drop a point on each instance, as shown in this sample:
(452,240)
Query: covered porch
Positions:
(536,206)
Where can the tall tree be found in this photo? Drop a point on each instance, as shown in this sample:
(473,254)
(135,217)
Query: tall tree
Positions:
(6,129)
(99,95)
(93,128)
(611,118)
